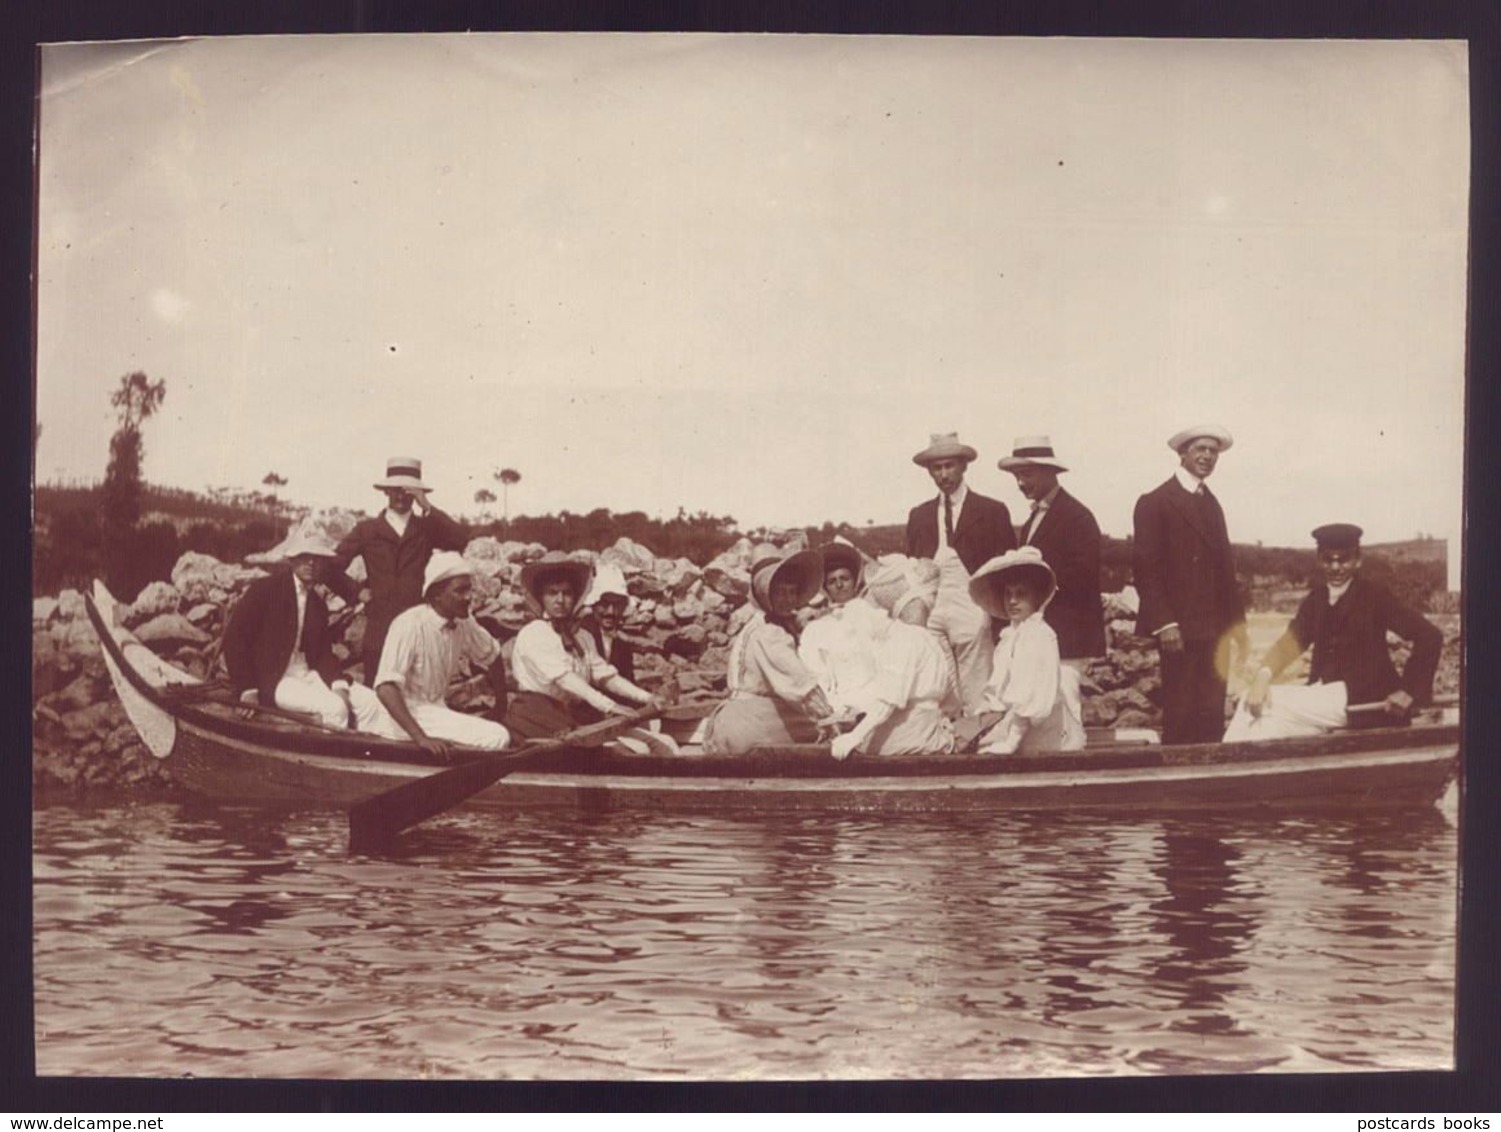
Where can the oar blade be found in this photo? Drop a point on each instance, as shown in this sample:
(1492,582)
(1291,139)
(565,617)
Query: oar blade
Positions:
(375,822)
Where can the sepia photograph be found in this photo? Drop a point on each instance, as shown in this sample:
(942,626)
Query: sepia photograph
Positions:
(747,558)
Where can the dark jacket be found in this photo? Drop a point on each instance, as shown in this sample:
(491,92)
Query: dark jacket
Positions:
(1349,643)
(1182,564)
(983,531)
(622,655)
(1069,539)
(393,566)
(258,640)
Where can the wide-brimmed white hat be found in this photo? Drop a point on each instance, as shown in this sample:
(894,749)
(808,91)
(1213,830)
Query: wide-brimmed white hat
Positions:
(801,566)
(309,543)
(1031,452)
(445,564)
(985,587)
(944,446)
(404,472)
(1217,433)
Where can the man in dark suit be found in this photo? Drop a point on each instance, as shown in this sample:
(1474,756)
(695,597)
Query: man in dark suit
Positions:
(1185,575)
(961,530)
(395,547)
(1066,533)
(277,641)
(1345,619)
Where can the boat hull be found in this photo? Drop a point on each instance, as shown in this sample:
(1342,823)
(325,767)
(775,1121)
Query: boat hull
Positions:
(215,753)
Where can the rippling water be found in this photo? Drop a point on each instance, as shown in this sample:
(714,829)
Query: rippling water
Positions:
(175,939)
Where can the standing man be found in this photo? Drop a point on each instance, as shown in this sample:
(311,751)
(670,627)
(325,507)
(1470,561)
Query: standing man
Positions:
(1066,533)
(395,546)
(1185,574)
(961,530)
(277,642)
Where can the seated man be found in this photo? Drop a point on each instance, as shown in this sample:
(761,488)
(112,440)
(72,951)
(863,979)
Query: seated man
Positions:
(423,652)
(607,602)
(1345,620)
(277,643)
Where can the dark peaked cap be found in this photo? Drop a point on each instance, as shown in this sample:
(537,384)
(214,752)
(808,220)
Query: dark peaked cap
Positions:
(1337,536)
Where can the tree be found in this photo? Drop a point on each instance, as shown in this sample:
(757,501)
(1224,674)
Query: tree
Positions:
(507,477)
(137,398)
(484,497)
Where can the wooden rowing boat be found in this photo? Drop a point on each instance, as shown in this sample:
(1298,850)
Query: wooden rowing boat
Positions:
(216,751)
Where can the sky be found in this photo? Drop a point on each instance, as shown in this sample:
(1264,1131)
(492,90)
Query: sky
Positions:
(750,275)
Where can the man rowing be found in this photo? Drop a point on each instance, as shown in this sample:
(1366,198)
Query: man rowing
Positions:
(426,648)
(1345,620)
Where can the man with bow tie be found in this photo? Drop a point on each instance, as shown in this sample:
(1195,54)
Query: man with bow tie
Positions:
(426,649)
(1184,572)
(1068,537)
(960,530)
(277,643)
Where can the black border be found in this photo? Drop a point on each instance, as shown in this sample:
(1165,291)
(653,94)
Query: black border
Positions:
(1473,1088)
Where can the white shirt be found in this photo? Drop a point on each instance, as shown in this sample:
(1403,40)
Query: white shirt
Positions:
(1191,483)
(839,650)
(1039,509)
(1335,593)
(423,653)
(539,660)
(397,522)
(957,499)
(298,661)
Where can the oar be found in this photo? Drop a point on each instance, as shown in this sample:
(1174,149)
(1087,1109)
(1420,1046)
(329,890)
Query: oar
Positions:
(374,822)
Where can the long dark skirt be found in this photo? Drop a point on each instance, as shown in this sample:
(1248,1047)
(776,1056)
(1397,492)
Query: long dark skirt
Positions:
(532,715)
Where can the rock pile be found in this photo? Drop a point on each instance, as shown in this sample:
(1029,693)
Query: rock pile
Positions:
(681,616)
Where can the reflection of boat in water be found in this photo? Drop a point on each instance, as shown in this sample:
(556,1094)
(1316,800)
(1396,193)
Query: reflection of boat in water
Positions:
(216,752)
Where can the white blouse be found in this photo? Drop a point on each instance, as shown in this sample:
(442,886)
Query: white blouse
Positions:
(539,660)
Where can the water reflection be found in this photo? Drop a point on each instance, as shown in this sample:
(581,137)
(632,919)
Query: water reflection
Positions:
(614,945)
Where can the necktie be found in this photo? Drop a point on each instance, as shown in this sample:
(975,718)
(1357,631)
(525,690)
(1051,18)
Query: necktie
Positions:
(1032,519)
(948,519)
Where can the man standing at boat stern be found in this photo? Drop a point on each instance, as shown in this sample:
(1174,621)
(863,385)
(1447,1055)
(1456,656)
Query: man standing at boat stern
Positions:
(1066,534)
(1345,619)
(1184,572)
(960,530)
(395,547)
(277,642)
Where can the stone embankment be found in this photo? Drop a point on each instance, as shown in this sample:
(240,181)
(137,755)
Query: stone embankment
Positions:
(682,616)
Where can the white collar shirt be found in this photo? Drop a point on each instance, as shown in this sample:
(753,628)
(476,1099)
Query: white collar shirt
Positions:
(1188,481)
(957,502)
(423,653)
(1337,592)
(1039,509)
(397,522)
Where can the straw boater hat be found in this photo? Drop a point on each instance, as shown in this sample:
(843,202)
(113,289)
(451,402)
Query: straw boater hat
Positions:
(404,472)
(802,566)
(944,446)
(1031,452)
(444,564)
(1220,435)
(895,580)
(556,564)
(309,543)
(1027,561)
(1338,536)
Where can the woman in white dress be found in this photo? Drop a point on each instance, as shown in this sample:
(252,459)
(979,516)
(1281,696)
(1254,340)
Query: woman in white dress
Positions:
(839,647)
(774,699)
(1025,684)
(914,671)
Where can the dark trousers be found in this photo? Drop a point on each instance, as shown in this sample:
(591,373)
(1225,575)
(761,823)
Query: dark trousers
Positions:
(1193,692)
